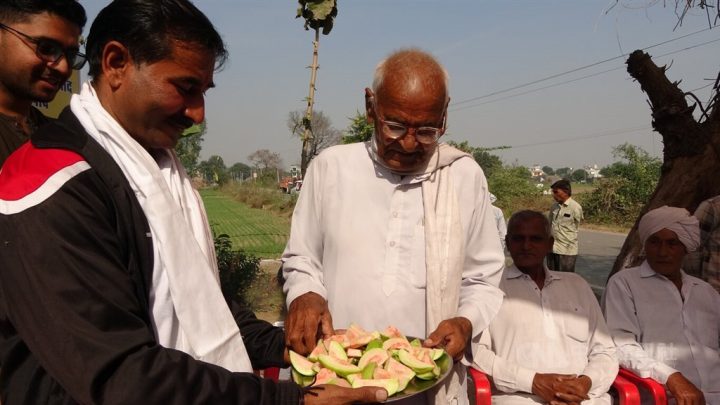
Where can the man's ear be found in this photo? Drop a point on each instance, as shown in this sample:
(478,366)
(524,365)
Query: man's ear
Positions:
(369,106)
(115,62)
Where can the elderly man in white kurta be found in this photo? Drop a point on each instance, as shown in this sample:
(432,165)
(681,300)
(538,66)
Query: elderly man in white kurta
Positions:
(397,230)
(549,342)
(665,322)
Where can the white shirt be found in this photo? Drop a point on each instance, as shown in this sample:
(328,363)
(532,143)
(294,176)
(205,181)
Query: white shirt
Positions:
(658,333)
(500,224)
(358,239)
(556,329)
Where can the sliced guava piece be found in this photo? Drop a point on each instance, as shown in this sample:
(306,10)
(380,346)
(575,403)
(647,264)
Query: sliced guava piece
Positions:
(374,344)
(437,353)
(429,375)
(417,365)
(340,382)
(396,343)
(378,356)
(301,380)
(354,353)
(324,376)
(319,349)
(352,377)
(302,365)
(336,350)
(390,384)
(403,373)
(357,336)
(341,367)
(381,373)
(341,338)
(369,370)
(391,332)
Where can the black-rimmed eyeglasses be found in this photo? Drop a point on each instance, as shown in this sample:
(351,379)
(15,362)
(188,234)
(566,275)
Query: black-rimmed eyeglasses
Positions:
(50,51)
(425,135)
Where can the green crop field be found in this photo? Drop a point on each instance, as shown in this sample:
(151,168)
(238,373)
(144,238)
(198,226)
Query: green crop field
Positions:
(254,231)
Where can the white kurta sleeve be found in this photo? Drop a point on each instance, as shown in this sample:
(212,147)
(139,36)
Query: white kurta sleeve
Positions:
(507,376)
(480,297)
(602,367)
(625,330)
(302,258)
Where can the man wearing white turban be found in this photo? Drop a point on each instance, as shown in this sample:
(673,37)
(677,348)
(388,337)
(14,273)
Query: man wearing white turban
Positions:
(665,322)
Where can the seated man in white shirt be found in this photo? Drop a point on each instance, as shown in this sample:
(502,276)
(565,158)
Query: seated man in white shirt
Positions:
(549,342)
(664,321)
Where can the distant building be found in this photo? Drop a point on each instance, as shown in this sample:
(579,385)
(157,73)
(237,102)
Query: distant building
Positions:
(537,171)
(592,172)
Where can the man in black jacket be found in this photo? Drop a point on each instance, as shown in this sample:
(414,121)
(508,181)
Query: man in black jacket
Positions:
(108,281)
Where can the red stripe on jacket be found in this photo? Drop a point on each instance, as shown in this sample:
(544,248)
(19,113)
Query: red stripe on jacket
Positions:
(28,168)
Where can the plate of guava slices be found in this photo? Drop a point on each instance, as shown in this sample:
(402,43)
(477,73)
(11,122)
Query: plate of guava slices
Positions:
(355,358)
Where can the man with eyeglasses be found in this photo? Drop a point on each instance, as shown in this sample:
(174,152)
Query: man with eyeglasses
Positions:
(397,230)
(39,44)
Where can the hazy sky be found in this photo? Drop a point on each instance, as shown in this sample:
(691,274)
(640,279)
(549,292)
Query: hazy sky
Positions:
(487,47)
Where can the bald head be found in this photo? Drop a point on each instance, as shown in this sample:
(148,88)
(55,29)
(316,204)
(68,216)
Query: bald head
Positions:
(411,72)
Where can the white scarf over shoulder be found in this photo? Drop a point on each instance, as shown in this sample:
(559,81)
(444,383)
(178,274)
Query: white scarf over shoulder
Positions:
(189,298)
(444,251)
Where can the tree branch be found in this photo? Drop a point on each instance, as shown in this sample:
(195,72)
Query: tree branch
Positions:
(672,117)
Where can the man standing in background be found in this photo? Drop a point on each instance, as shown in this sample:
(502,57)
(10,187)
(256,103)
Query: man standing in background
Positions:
(565,217)
(43,38)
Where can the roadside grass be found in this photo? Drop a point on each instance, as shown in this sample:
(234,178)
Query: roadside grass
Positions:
(255,231)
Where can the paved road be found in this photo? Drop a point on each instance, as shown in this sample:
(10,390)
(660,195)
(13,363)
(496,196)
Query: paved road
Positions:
(597,254)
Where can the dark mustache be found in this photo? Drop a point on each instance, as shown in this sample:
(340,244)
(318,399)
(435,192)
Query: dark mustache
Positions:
(183,122)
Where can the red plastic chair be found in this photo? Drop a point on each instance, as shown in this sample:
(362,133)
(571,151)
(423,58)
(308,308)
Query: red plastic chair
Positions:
(271,373)
(628,393)
(656,390)
(482,387)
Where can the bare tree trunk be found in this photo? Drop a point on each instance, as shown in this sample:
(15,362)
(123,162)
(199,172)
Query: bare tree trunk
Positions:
(691,155)
(307,122)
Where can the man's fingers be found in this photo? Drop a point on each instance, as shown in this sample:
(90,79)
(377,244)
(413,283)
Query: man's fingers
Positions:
(310,332)
(296,343)
(567,397)
(326,325)
(368,395)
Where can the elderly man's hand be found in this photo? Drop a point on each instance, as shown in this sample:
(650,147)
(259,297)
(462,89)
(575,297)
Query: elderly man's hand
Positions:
(335,395)
(545,386)
(573,390)
(308,319)
(685,392)
(453,335)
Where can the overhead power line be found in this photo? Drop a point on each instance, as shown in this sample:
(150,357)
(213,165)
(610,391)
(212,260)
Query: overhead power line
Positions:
(578,79)
(572,70)
(582,137)
(533,90)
